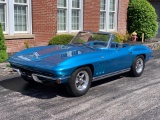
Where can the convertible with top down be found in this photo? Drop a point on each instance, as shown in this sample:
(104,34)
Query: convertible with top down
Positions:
(88,57)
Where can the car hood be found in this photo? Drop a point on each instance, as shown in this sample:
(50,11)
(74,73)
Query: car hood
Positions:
(53,54)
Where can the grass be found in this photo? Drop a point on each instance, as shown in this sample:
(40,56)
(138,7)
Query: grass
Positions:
(8,65)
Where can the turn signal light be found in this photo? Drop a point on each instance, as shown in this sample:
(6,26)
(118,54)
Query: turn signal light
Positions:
(59,81)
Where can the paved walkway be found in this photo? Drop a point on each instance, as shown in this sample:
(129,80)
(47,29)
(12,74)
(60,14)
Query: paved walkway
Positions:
(6,71)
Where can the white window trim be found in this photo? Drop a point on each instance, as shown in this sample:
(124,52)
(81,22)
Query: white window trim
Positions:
(66,8)
(115,16)
(5,2)
(10,18)
(81,16)
(104,11)
(69,17)
(107,10)
(29,20)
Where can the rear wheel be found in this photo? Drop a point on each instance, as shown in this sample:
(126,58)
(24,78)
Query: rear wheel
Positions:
(138,66)
(80,81)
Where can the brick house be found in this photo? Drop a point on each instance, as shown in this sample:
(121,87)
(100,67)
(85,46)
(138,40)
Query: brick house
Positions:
(37,21)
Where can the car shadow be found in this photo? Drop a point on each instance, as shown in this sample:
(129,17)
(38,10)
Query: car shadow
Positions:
(37,90)
(45,91)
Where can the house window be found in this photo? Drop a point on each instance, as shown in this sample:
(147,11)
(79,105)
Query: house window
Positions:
(112,14)
(20,15)
(76,14)
(3,14)
(102,14)
(108,15)
(70,15)
(62,15)
(15,16)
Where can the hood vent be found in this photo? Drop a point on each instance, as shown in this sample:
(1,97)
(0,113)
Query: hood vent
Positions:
(70,53)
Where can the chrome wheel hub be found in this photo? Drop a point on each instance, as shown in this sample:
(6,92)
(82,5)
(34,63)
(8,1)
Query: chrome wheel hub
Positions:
(82,80)
(139,65)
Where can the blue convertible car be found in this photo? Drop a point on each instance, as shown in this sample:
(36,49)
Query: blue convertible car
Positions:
(88,57)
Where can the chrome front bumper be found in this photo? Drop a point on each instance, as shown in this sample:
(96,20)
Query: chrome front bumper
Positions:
(42,78)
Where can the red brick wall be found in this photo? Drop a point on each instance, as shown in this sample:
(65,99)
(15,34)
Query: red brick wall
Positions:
(18,45)
(44,20)
(122,15)
(44,25)
(91,15)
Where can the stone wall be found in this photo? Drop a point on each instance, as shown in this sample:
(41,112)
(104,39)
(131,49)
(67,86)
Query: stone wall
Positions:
(154,46)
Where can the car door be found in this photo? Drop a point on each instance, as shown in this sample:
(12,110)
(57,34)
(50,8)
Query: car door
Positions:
(118,59)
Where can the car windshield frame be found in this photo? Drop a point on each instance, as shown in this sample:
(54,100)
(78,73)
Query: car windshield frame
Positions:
(111,37)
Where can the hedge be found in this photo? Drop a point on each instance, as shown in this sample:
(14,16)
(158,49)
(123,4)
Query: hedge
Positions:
(62,39)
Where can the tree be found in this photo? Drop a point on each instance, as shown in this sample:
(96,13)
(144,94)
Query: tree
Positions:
(3,47)
(142,18)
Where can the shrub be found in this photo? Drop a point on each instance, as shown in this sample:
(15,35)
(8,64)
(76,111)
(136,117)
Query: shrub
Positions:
(62,39)
(100,37)
(3,53)
(26,43)
(119,37)
(116,37)
(3,56)
(142,18)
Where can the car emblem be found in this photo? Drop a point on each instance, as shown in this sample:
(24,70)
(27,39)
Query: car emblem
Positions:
(36,54)
(102,57)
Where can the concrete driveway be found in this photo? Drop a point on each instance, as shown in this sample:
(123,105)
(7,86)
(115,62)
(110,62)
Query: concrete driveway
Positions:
(116,98)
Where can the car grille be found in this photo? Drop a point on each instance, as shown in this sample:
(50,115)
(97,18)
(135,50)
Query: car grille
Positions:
(29,72)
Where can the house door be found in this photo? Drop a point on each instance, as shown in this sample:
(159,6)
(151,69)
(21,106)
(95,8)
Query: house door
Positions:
(156,5)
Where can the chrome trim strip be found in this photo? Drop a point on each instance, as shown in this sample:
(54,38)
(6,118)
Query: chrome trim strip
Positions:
(35,77)
(110,74)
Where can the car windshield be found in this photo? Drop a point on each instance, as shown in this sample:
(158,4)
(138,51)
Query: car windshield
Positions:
(95,40)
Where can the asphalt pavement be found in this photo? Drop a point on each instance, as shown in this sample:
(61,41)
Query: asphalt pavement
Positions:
(117,98)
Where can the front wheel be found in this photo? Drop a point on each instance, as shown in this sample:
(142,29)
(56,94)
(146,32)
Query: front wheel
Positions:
(80,81)
(138,66)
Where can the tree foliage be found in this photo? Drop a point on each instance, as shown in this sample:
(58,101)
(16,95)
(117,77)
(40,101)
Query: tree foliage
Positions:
(142,18)
(3,47)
